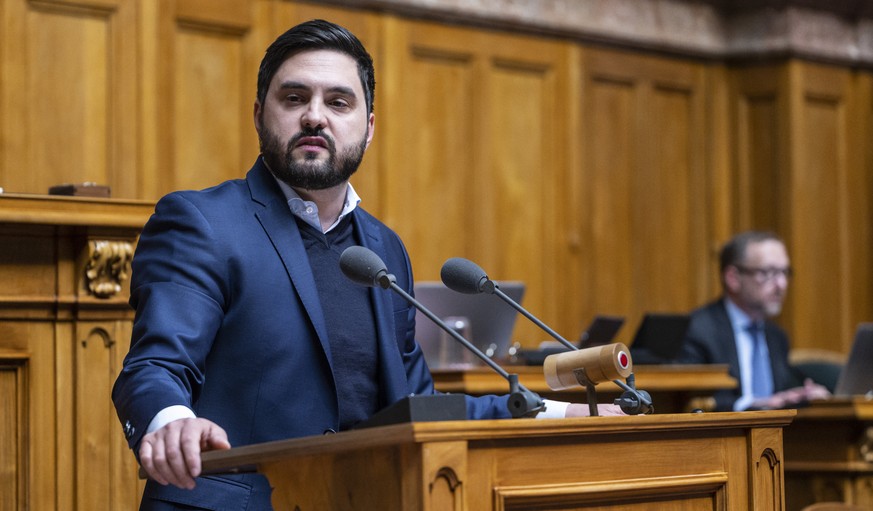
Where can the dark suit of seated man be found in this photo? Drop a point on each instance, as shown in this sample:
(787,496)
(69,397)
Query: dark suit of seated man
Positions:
(736,330)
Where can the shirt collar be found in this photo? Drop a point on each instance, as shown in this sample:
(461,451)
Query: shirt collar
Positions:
(739,319)
(308,210)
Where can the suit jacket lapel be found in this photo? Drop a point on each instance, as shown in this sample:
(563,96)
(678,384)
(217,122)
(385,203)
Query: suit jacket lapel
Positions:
(393,383)
(281,227)
(727,340)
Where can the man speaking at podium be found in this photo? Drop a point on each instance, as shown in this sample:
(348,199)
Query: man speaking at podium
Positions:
(246,330)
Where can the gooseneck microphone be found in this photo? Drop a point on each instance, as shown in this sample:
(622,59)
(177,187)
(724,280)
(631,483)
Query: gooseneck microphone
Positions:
(363,266)
(465,276)
(587,367)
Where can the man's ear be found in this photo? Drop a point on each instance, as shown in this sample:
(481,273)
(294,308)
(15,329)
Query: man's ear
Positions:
(731,278)
(257,116)
(371,127)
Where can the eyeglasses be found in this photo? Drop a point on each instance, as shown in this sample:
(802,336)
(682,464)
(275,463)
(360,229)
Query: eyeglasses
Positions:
(762,275)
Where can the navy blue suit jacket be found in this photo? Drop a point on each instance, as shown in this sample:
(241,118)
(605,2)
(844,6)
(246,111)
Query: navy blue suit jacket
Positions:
(229,323)
(710,340)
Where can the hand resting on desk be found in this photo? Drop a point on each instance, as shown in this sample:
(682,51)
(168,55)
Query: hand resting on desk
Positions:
(171,454)
(580,410)
(792,398)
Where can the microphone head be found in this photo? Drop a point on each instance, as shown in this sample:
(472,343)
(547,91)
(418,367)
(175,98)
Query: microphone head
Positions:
(362,265)
(463,276)
(575,368)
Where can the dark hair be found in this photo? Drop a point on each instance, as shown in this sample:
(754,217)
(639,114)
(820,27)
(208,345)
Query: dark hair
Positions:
(733,252)
(317,35)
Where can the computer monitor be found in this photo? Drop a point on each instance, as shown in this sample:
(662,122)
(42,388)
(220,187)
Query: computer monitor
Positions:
(600,332)
(856,378)
(659,338)
(491,319)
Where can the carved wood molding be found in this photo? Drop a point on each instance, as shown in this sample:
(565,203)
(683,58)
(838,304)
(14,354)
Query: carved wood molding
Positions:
(711,487)
(108,266)
(840,32)
(865,447)
(102,335)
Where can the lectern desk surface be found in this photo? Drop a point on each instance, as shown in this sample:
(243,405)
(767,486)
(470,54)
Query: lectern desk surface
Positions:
(725,461)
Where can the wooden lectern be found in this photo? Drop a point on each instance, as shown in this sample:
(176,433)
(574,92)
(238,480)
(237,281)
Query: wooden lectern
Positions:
(829,450)
(712,461)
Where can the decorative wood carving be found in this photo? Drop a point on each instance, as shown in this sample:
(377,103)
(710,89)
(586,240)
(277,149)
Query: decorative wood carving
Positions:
(865,447)
(449,475)
(108,266)
(107,339)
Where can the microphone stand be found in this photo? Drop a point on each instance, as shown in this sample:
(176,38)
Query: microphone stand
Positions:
(632,401)
(522,401)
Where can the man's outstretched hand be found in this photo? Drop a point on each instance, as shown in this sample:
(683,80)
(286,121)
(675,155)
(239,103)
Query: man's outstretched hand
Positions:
(171,455)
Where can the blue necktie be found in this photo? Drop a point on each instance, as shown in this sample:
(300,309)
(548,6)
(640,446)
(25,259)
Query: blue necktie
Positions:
(762,376)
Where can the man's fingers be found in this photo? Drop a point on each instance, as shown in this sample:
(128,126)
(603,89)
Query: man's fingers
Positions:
(171,455)
(610,409)
(216,439)
(176,454)
(190,441)
(146,452)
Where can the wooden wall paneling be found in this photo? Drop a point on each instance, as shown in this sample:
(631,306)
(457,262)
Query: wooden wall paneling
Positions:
(205,93)
(859,252)
(12,85)
(761,149)
(820,226)
(13,428)
(429,140)
(44,468)
(572,295)
(471,153)
(519,186)
(647,183)
(153,156)
(69,435)
(366,25)
(95,468)
(610,159)
(67,102)
(27,258)
(71,454)
(721,194)
(91,348)
(675,240)
(106,475)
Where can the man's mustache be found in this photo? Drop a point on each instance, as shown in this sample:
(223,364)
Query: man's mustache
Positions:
(312,132)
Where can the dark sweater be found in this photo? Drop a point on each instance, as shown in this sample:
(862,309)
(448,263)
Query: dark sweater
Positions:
(351,328)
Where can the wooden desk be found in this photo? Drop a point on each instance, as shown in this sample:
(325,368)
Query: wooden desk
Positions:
(829,454)
(714,461)
(674,388)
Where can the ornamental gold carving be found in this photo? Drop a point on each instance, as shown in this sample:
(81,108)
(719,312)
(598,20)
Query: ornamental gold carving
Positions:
(865,445)
(107,267)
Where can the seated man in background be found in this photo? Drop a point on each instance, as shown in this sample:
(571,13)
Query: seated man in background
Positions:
(735,329)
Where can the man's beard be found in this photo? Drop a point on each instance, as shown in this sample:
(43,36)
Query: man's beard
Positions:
(310,174)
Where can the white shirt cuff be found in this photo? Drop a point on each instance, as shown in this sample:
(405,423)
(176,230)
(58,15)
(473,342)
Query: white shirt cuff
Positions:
(554,410)
(743,403)
(168,415)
